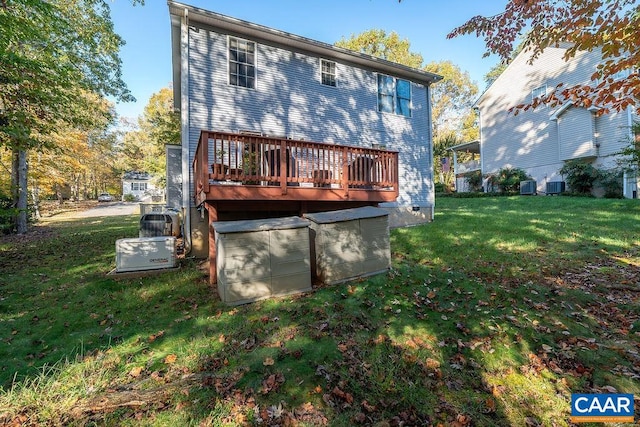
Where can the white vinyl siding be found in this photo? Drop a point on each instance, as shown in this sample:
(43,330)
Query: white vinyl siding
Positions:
(575,134)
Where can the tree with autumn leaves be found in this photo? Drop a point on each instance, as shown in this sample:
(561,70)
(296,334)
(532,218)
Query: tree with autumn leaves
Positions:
(57,62)
(608,26)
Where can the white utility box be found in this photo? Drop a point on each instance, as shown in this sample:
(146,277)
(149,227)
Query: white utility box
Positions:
(349,243)
(257,259)
(145,253)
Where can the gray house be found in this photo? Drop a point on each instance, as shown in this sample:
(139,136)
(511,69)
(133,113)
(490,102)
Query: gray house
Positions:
(540,141)
(277,124)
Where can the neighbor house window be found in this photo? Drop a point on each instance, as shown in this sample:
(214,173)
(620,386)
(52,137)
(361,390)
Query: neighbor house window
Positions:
(138,186)
(242,63)
(538,92)
(328,69)
(394,95)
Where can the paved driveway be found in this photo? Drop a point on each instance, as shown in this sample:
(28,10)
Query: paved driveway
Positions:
(110,209)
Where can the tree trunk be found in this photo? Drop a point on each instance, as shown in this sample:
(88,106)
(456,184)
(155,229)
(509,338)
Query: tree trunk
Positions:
(35,195)
(14,187)
(21,224)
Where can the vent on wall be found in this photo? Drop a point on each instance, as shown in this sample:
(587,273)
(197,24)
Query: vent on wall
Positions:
(528,187)
(555,187)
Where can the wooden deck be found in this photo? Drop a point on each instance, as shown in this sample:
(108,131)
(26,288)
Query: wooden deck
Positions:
(236,166)
(241,175)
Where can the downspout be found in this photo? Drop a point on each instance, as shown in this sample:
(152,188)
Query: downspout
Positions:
(480,139)
(184,120)
(625,178)
(430,141)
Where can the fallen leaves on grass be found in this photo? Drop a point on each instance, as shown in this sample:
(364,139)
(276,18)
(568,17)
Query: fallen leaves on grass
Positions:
(272,382)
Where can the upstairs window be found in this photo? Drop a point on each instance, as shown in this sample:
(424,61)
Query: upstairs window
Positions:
(394,95)
(328,71)
(538,92)
(242,63)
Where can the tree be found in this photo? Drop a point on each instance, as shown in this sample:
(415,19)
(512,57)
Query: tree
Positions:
(51,55)
(378,43)
(452,99)
(160,121)
(143,145)
(608,26)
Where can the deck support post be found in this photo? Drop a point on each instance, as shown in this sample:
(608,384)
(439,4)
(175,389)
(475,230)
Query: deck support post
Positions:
(212,210)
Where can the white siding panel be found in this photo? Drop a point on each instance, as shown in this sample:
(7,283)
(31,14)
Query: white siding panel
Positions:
(576,130)
(289,100)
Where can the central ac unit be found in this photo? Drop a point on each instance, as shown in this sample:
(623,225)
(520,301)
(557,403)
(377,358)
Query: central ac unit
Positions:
(555,187)
(528,187)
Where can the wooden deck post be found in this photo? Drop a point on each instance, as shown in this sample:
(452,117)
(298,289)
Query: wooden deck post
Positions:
(212,210)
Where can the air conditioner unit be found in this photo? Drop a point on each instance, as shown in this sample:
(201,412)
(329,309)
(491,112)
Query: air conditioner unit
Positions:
(145,253)
(528,187)
(165,223)
(555,187)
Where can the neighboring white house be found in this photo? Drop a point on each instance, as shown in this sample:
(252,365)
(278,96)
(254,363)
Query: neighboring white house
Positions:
(231,75)
(541,140)
(139,185)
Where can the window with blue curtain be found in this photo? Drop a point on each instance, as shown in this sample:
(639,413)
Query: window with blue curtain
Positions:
(394,95)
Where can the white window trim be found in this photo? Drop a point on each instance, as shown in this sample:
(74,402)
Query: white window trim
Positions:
(537,88)
(255,63)
(395,97)
(335,76)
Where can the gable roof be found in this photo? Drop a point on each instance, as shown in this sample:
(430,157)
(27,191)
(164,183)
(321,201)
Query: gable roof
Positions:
(261,33)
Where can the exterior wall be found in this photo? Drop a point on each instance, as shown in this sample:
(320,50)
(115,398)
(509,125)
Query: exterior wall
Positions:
(140,195)
(540,140)
(289,100)
(576,134)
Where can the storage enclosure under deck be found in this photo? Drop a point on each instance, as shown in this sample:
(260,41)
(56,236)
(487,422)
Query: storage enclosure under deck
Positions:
(246,175)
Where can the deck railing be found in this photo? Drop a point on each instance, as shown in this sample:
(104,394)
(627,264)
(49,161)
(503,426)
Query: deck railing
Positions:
(223,158)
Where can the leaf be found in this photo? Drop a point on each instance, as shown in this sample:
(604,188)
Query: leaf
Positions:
(171,358)
(155,336)
(136,371)
(489,405)
(268,361)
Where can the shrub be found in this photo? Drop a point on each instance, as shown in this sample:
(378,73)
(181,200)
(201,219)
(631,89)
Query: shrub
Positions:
(611,183)
(439,187)
(7,214)
(129,198)
(474,179)
(507,180)
(580,176)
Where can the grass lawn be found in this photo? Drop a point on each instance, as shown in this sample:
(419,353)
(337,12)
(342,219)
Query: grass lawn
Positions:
(492,315)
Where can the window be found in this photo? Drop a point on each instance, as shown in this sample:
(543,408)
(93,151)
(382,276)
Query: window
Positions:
(394,95)
(538,92)
(328,71)
(138,186)
(242,63)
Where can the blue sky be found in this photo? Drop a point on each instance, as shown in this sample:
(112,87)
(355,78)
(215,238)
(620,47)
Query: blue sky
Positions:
(146,29)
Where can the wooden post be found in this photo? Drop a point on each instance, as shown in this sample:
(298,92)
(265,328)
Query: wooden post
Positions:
(283,166)
(345,171)
(212,210)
